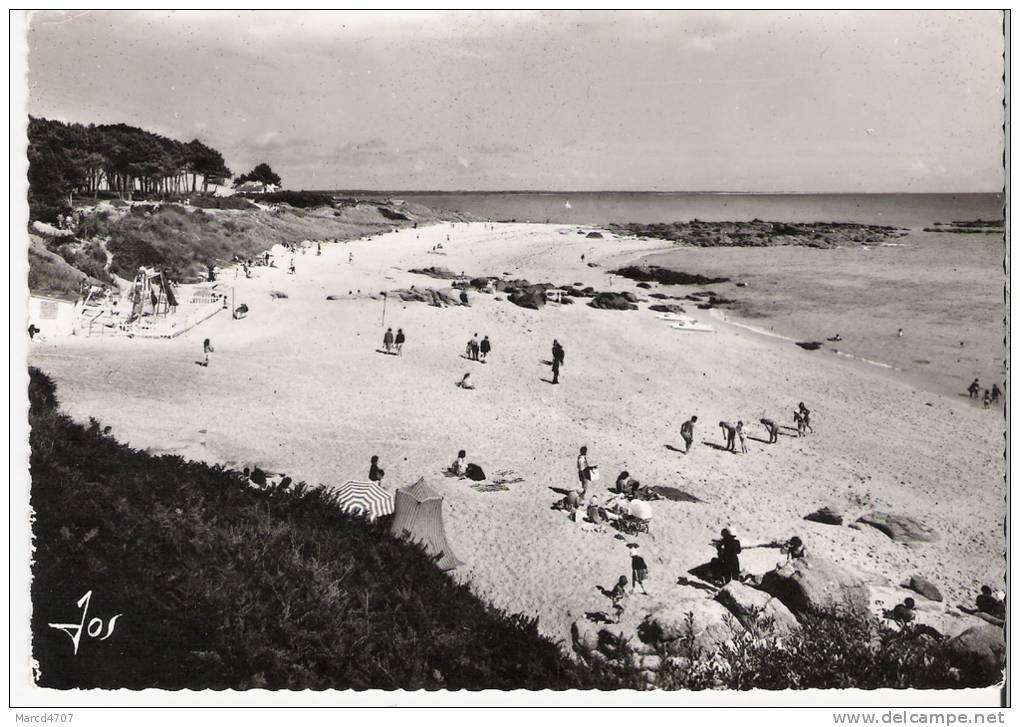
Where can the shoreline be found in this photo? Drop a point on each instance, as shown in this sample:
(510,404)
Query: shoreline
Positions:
(629,381)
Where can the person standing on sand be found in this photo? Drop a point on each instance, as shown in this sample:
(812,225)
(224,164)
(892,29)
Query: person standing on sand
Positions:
(805,415)
(350,258)
(730,436)
(988,399)
(973,389)
(399,341)
(387,340)
(740,434)
(772,428)
(485,347)
(557,352)
(583,471)
(638,569)
(799,421)
(473,347)
(996,393)
(728,551)
(375,472)
(318,248)
(687,433)
(556,371)
(206,349)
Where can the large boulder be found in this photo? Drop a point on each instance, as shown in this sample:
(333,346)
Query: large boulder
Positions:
(480,283)
(612,301)
(901,528)
(815,585)
(450,296)
(667,308)
(756,610)
(984,645)
(921,585)
(826,516)
(533,298)
(689,625)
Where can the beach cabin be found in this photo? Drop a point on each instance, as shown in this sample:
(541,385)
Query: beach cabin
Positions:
(54,314)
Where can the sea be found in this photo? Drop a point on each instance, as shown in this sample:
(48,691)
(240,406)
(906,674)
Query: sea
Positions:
(945,291)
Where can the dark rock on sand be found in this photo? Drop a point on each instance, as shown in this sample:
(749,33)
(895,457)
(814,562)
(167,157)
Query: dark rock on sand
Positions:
(923,586)
(613,301)
(594,235)
(708,624)
(984,644)
(528,298)
(810,345)
(667,308)
(480,283)
(816,585)
(654,273)
(901,528)
(644,285)
(435,272)
(826,516)
(594,265)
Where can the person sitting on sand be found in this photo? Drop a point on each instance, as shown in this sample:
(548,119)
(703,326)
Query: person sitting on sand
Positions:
(627,485)
(375,472)
(729,436)
(988,603)
(595,513)
(687,433)
(466,383)
(973,389)
(794,548)
(638,568)
(740,434)
(728,551)
(484,347)
(387,340)
(32,330)
(772,428)
(805,415)
(459,464)
(399,341)
(996,393)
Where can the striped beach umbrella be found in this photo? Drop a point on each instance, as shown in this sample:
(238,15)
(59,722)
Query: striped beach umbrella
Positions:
(366,498)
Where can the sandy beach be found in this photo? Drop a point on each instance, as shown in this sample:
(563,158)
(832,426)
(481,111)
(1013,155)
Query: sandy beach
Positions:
(299,387)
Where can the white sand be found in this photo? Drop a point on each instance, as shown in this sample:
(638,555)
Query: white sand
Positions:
(298,387)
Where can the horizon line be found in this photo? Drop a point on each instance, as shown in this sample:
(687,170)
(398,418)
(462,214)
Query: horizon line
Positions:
(635,191)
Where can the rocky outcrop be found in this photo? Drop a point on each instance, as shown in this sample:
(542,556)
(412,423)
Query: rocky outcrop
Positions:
(815,585)
(924,587)
(757,611)
(901,528)
(439,298)
(759,233)
(825,515)
(612,301)
(528,298)
(654,273)
(435,272)
(984,645)
(688,626)
(667,308)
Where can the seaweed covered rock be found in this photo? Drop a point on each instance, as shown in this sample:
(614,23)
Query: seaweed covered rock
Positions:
(435,272)
(654,273)
(612,301)
(533,298)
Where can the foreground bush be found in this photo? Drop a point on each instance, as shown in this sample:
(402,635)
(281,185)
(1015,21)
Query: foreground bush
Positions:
(224,586)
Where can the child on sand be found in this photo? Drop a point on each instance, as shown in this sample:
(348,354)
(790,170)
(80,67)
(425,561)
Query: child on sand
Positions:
(973,389)
(772,428)
(459,465)
(206,349)
(687,433)
(387,340)
(987,398)
(805,415)
(583,471)
(617,595)
(799,421)
(399,341)
(740,434)
(466,383)
(292,269)
(375,472)
(996,393)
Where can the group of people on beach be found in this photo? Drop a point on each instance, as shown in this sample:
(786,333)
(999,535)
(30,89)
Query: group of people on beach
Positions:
(478,350)
(990,396)
(731,433)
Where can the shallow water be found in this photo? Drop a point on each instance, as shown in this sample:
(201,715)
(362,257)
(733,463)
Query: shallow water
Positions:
(942,289)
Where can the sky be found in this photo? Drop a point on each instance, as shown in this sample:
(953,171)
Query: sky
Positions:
(482,100)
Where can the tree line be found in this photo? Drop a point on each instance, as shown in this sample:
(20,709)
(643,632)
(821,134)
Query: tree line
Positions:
(77,159)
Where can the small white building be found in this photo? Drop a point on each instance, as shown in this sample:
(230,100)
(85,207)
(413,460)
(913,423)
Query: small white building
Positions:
(54,314)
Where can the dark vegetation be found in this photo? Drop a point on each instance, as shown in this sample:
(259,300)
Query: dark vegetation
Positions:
(846,652)
(222,585)
(988,227)
(65,160)
(299,199)
(262,173)
(654,273)
(758,233)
